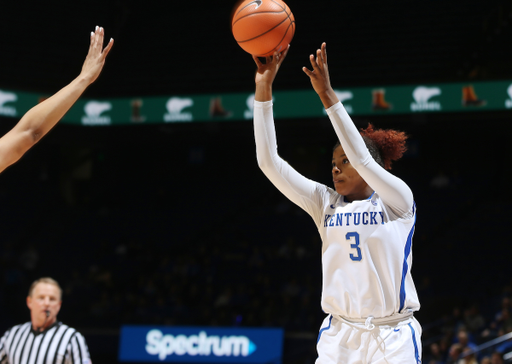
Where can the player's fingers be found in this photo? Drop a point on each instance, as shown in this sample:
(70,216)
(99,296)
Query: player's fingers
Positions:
(99,38)
(108,48)
(313,62)
(284,53)
(94,40)
(275,58)
(268,59)
(307,72)
(257,61)
(91,42)
(319,59)
(324,51)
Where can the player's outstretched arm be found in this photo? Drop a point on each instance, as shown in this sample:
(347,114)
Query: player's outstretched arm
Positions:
(42,117)
(391,189)
(319,77)
(292,184)
(266,73)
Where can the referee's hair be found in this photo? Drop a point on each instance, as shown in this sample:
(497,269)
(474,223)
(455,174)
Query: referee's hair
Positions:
(47,280)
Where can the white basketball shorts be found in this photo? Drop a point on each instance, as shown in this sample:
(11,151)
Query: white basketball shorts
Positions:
(343,342)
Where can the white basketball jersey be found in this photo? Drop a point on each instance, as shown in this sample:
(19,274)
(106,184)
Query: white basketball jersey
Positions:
(366,245)
(366,258)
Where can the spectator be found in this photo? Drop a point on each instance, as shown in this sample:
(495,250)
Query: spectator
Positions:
(496,358)
(468,357)
(454,354)
(436,357)
(473,320)
(503,317)
(464,341)
(505,346)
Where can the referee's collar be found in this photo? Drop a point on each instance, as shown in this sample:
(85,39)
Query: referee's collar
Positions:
(37,332)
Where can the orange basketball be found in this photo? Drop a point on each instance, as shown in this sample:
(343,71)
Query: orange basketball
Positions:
(262,27)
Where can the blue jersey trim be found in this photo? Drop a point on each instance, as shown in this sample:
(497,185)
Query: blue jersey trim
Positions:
(405,267)
(416,351)
(325,328)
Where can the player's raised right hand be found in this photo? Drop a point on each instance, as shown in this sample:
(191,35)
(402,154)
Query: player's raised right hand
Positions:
(267,71)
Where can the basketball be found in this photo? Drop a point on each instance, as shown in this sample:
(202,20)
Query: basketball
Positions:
(262,27)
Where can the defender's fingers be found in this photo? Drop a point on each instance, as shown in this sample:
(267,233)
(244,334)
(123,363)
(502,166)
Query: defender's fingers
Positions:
(91,41)
(100,36)
(98,39)
(94,40)
(108,48)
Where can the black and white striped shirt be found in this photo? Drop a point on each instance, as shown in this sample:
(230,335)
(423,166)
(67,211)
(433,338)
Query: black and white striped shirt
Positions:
(59,344)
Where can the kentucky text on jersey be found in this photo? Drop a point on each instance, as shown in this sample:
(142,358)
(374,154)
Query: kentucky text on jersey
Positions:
(354,218)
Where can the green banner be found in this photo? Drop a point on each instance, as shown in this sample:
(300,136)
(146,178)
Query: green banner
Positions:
(452,97)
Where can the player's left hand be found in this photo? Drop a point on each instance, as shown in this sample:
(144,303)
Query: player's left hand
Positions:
(95,59)
(319,76)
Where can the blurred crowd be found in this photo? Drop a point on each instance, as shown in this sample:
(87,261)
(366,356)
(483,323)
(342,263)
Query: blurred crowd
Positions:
(468,336)
(235,279)
(229,277)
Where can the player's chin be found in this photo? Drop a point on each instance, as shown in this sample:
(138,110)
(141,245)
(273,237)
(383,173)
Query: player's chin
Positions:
(340,189)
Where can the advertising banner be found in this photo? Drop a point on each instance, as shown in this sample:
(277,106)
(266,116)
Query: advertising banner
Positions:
(163,344)
(452,97)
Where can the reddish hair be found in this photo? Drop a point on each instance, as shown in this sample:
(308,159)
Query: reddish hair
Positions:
(390,144)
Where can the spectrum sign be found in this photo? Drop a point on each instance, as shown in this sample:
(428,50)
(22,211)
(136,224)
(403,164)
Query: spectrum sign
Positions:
(200,344)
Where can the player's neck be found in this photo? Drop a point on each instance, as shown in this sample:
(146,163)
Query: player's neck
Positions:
(360,196)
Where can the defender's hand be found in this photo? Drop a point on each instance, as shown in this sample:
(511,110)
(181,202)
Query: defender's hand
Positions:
(95,59)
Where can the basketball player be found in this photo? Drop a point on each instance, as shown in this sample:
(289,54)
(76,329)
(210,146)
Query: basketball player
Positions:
(41,118)
(366,224)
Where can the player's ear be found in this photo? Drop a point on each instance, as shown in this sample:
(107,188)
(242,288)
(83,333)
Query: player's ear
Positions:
(29,302)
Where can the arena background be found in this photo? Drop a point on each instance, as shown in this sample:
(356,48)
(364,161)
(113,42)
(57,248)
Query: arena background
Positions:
(175,224)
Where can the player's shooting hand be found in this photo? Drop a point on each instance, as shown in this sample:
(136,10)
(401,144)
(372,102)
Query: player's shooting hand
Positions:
(95,59)
(267,71)
(319,77)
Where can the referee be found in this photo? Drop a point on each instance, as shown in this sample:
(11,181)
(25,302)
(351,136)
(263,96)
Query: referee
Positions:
(43,339)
